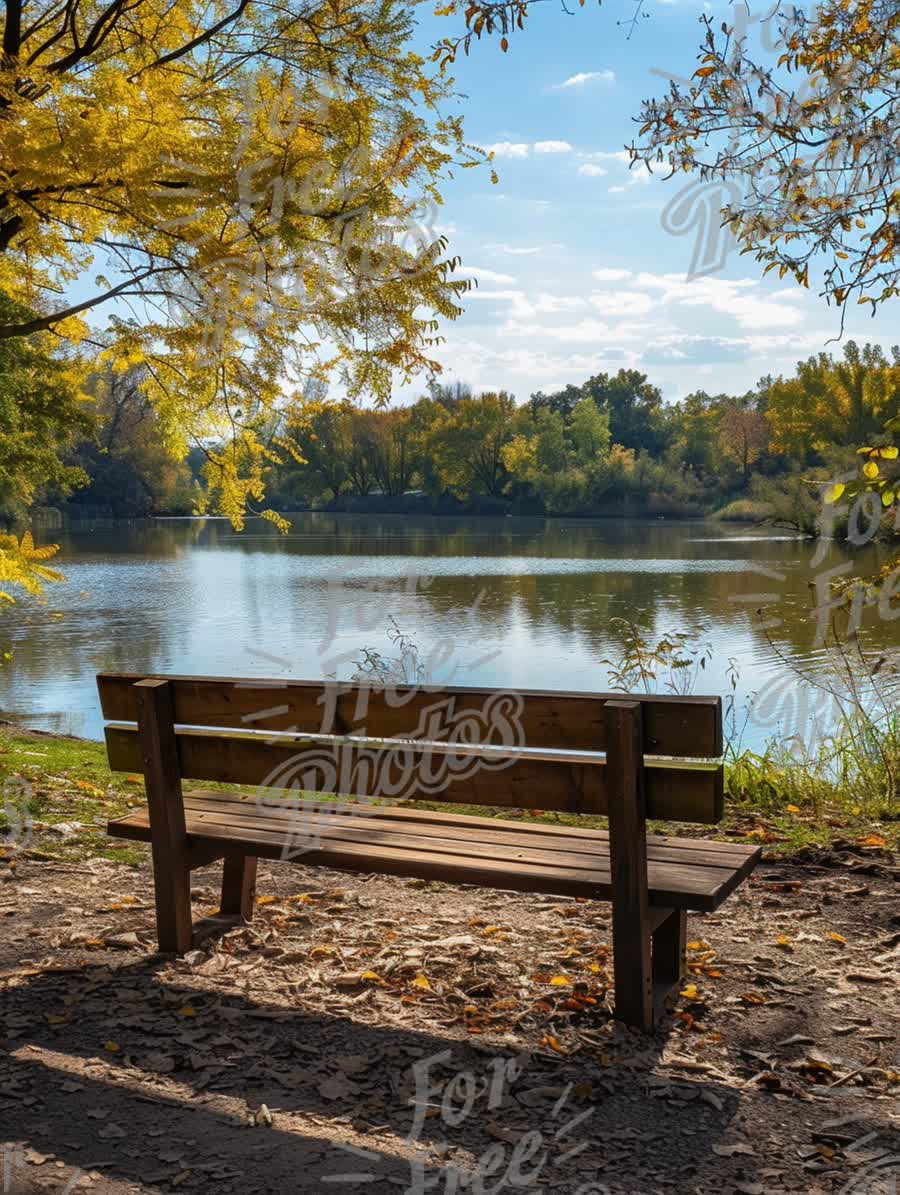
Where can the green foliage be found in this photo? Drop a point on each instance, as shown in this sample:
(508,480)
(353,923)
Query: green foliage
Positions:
(129,469)
(42,410)
(671,665)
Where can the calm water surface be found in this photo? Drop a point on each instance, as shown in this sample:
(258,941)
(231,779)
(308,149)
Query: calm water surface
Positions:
(509,602)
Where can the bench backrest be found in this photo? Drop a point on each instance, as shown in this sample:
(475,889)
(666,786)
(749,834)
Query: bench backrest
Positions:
(523,749)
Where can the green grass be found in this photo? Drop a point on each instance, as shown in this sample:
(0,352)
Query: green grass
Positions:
(68,780)
(745,510)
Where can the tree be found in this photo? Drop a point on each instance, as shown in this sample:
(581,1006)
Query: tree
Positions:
(833,401)
(589,432)
(129,469)
(43,409)
(633,405)
(743,435)
(245,182)
(467,443)
(807,139)
(550,448)
(806,146)
(694,428)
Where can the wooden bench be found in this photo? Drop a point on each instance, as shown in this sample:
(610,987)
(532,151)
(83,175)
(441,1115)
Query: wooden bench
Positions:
(627,757)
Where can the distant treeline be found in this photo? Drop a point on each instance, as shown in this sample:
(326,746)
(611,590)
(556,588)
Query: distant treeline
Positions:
(609,446)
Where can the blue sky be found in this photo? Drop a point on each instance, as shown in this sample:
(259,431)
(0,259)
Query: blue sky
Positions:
(576,269)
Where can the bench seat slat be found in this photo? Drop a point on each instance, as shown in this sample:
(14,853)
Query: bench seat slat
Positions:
(392,845)
(416,814)
(484,831)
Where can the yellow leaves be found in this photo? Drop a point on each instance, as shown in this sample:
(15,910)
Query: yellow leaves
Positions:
(689,992)
(560,981)
(422,983)
(704,72)
(266,900)
(72,329)
(874,840)
(86,787)
(371,977)
(793,809)
(21,563)
(784,942)
(835,493)
(833,936)
(870,470)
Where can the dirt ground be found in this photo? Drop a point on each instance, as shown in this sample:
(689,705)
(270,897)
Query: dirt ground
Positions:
(374,1034)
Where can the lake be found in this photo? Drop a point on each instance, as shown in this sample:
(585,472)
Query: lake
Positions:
(511,602)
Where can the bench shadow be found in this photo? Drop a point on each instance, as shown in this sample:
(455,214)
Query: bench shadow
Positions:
(143,1077)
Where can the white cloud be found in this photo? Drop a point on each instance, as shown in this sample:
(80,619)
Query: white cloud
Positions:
(607,155)
(508,149)
(591,170)
(515,250)
(622,302)
(552,147)
(743,299)
(484,275)
(583,77)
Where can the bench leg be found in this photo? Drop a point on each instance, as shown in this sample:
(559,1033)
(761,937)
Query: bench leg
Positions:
(669,947)
(172,885)
(238,886)
(631,916)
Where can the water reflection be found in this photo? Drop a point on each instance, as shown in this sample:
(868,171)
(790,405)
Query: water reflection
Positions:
(511,602)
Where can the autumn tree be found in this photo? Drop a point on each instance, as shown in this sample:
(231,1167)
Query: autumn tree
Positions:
(743,435)
(241,192)
(834,401)
(802,131)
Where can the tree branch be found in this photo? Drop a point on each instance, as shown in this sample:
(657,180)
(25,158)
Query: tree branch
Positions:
(42,322)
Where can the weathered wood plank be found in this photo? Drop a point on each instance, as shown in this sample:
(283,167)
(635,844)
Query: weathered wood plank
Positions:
(682,726)
(574,783)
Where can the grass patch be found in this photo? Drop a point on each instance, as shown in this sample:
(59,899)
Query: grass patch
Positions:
(60,781)
(745,510)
